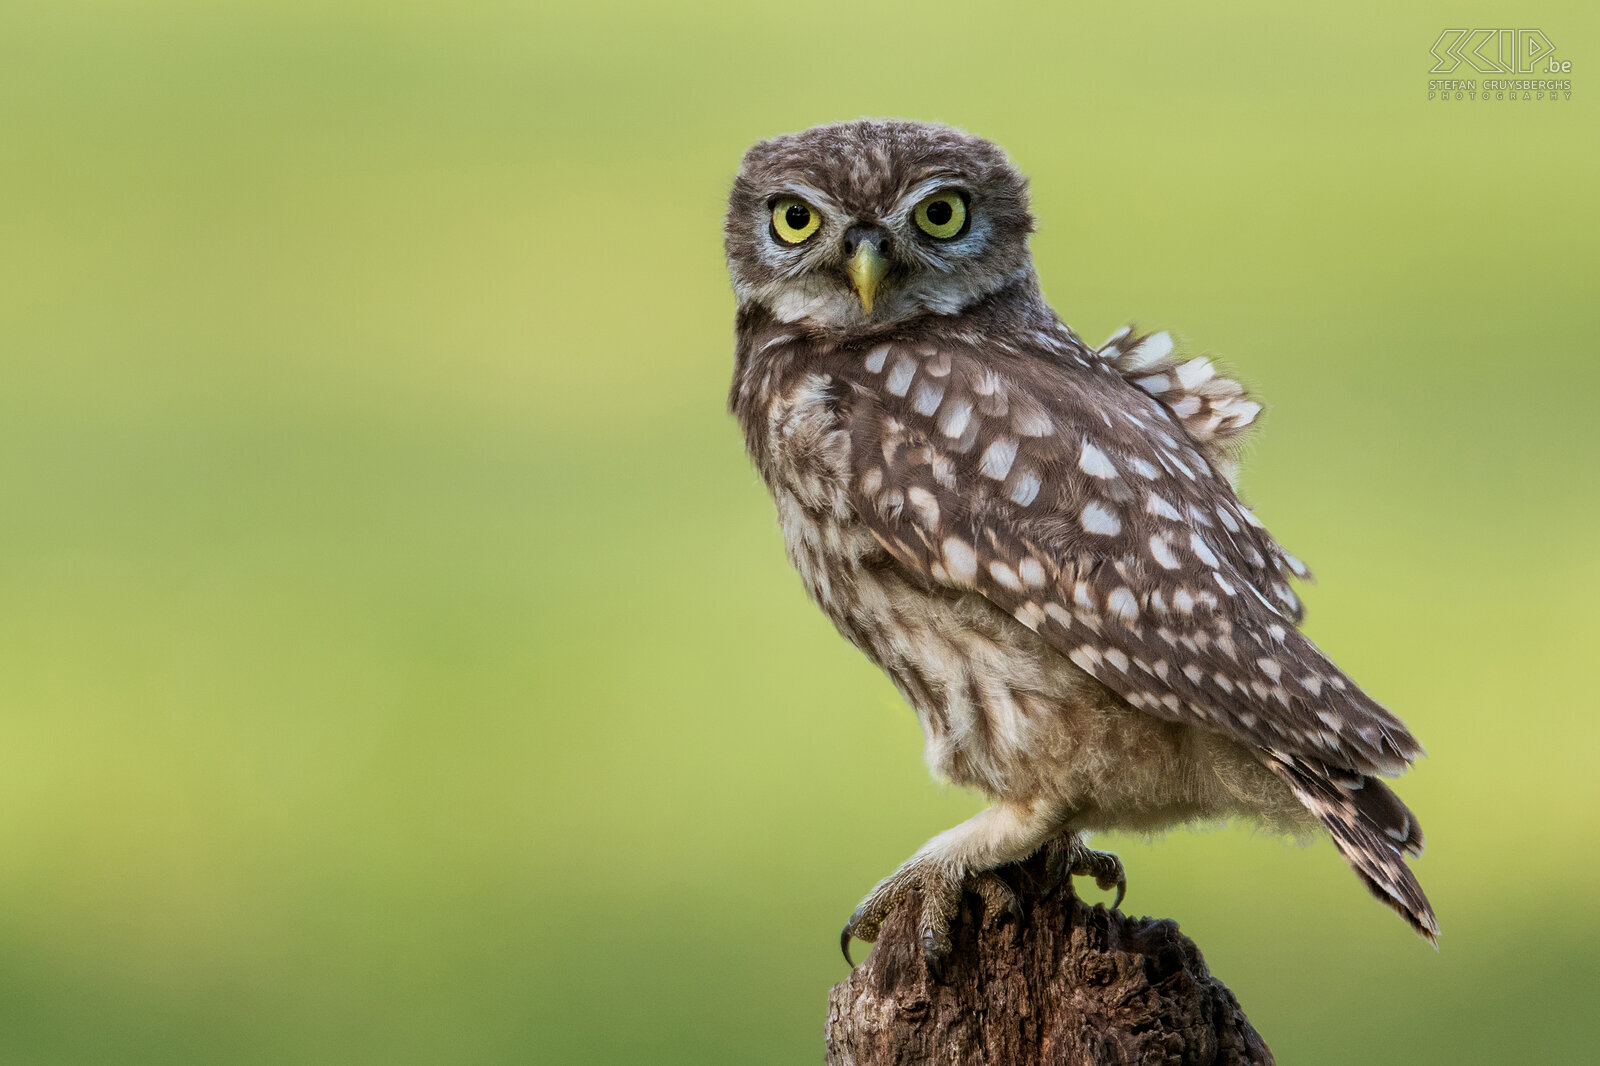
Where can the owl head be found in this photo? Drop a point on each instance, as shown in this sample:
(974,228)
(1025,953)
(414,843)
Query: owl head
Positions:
(865,224)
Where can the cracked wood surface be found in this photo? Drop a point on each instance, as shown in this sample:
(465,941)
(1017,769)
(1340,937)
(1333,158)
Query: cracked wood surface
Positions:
(1071,985)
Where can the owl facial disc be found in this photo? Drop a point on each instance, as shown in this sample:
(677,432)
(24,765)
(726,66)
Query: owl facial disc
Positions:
(874,224)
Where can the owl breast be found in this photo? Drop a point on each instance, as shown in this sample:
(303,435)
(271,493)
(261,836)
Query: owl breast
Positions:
(1000,710)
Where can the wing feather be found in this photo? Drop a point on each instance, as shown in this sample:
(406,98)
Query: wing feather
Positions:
(1078,501)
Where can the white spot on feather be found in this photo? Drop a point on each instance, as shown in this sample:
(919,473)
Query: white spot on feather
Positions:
(1202,550)
(1122,603)
(1195,372)
(1158,506)
(1086,657)
(1032,572)
(1245,411)
(926,401)
(998,457)
(926,506)
(1024,487)
(1006,576)
(1187,406)
(899,379)
(960,561)
(1163,552)
(1095,463)
(1098,518)
(1032,423)
(1152,349)
(955,416)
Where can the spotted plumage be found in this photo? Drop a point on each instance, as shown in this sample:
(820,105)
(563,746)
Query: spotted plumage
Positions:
(1039,542)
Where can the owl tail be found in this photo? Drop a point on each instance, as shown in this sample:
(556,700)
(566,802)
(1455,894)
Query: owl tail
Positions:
(1372,829)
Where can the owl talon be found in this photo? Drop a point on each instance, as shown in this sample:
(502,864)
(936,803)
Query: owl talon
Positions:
(867,920)
(940,892)
(1070,857)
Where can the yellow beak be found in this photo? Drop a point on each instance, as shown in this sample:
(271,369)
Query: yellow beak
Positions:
(866,268)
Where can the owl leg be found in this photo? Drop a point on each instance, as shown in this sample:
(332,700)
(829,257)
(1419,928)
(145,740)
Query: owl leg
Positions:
(956,860)
(1067,856)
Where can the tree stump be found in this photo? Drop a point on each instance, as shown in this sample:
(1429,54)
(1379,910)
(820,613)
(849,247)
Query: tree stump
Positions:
(1070,985)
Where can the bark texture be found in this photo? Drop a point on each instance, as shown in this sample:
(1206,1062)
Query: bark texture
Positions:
(1069,985)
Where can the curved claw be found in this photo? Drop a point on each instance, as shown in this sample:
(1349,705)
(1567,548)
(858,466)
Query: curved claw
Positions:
(1108,874)
(1070,857)
(940,890)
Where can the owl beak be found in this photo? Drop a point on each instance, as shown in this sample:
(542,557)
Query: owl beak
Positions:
(866,267)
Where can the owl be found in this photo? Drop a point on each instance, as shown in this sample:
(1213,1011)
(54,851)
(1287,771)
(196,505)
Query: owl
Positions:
(1039,542)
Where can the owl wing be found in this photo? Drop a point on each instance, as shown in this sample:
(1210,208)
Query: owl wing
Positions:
(1076,501)
(1216,411)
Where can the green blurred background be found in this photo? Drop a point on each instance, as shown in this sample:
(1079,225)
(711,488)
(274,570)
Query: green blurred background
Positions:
(399,660)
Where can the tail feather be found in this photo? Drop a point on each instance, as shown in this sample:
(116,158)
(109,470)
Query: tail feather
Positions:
(1372,829)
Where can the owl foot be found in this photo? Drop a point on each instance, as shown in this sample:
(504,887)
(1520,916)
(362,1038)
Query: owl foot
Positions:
(1068,856)
(939,889)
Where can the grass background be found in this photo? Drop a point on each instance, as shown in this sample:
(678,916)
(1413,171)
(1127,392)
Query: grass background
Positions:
(400,663)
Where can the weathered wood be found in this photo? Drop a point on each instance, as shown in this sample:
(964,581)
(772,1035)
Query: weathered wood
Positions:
(1070,985)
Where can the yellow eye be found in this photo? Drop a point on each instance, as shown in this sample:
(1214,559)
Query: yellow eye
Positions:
(794,220)
(942,215)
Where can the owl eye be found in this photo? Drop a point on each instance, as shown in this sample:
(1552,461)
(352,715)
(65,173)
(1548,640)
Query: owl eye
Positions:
(942,215)
(794,220)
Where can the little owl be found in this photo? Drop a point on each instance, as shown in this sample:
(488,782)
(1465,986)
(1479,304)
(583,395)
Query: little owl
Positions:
(1039,542)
